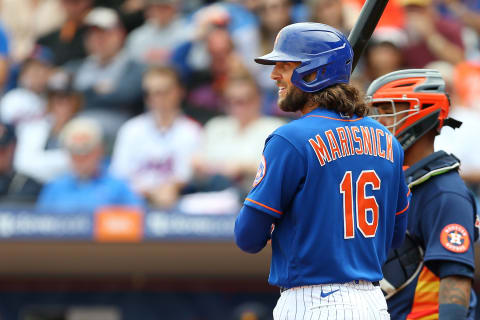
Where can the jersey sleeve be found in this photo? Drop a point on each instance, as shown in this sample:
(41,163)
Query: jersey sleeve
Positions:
(447,226)
(404,194)
(280,174)
(402,205)
(252,229)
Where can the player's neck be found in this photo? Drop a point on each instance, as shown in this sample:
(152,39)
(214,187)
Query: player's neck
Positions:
(420,149)
(309,107)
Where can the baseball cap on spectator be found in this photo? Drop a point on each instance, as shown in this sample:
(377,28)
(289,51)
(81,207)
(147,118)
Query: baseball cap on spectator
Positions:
(391,35)
(103,18)
(215,15)
(7,134)
(81,135)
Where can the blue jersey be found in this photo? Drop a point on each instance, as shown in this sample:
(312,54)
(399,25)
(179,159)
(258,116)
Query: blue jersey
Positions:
(336,187)
(441,220)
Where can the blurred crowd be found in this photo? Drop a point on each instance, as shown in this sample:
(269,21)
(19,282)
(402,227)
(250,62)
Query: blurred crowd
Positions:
(159,104)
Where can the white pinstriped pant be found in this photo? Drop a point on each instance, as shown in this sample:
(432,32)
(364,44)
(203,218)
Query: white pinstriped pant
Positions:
(349,301)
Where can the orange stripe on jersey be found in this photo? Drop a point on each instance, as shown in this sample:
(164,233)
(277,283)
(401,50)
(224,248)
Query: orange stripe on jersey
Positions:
(346,120)
(405,209)
(408,205)
(262,205)
(425,301)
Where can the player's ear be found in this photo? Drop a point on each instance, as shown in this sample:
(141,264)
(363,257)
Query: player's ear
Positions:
(310,77)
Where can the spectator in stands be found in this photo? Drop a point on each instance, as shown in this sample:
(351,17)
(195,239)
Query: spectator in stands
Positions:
(130,11)
(163,31)
(67,42)
(206,83)
(330,12)
(243,21)
(27,102)
(383,53)
(26,21)
(89,186)
(233,143)
(153,151)
(430,37)
(465,11)
(242,26)
(109,81)
(13,185)
(39,154)
(460,141)
(273,16)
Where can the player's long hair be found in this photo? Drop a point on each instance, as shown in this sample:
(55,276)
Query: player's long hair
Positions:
(342,98)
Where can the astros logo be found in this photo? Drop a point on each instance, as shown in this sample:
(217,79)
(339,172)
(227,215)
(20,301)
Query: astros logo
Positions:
(262,169)
(455,238)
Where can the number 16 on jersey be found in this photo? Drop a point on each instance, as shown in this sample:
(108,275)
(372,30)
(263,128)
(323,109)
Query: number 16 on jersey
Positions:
(356,204)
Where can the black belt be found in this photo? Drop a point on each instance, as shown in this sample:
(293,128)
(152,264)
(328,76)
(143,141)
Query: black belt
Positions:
(375,283)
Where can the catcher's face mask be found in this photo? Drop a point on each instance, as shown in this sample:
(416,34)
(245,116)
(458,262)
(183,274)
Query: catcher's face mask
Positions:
(423,90)
(393,113)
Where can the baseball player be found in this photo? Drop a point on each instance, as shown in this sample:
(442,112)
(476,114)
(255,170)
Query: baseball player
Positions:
(430,275)
(330,182)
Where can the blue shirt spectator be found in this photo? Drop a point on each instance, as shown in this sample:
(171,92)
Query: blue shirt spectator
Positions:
(89,186)
(70,193)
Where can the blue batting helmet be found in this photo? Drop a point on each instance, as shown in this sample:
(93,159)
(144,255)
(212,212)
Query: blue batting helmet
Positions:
(319,47)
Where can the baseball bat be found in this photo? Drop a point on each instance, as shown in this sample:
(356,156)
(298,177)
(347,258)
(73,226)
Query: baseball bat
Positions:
(371,12)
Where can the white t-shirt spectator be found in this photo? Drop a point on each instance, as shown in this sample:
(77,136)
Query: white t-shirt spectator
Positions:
(460,141)
(148,157)
(225,141)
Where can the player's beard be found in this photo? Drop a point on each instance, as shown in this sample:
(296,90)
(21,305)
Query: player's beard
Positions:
(294,100)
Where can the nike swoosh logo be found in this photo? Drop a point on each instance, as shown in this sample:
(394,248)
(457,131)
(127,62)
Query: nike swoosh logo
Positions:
(324,295)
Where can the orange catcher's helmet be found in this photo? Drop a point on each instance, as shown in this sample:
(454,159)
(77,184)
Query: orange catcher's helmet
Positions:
(424,92)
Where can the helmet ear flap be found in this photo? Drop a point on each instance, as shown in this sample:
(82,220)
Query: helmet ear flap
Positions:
(327,74)
(300,77)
